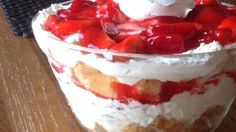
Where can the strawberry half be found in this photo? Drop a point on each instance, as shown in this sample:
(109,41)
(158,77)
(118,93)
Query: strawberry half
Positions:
(229,23)
(51,23)
(210,15)
(166,44)
(66,28)
(128,29)
(184,28)
(80,9)
(95,37)
(160,20)
(110,12)
(132,44)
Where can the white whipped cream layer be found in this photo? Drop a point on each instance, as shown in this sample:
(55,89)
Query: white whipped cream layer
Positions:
(113,115)
(163,68)
(144,9)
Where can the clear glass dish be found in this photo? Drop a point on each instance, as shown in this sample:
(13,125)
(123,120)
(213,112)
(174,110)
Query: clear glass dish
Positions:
(86,77)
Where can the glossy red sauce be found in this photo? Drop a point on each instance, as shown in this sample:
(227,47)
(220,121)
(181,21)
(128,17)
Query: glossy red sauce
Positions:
(126,93)
(232,75)
(102,25)
(58,69)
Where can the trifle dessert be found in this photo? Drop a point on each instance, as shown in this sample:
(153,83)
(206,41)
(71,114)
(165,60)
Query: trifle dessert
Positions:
(142,65)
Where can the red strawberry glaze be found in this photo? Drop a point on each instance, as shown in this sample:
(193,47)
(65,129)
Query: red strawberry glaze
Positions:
(58,69)
(208,21)
(56,65)
(168,90)
(232,75)
(213,81)
(126,93)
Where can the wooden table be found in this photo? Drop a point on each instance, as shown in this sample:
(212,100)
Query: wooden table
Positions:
(30,98)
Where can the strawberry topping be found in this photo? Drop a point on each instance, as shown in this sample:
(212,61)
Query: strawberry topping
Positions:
(102,25)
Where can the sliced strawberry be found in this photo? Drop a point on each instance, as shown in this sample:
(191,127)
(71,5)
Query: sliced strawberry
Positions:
(184,28)
(210,15)
(51,22)
(95,37)
(80,9)
(128,29)
(229,23)
(207,2)
(101,2)
(232,10)
(132,44)
(109,27)
(166,44)
(110,11)
(69,27)
(160,20)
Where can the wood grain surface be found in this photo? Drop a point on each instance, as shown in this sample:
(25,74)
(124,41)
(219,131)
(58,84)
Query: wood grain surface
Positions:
(30,98)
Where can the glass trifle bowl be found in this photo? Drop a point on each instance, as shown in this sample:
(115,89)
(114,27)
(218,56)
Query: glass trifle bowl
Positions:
(125,92)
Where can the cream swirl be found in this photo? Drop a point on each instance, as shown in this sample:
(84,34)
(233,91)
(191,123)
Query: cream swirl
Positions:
(144,9)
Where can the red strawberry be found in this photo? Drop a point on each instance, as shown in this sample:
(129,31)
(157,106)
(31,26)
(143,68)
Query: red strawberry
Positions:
(229,23)
(69,27)
(128,29)
(81,9)
(184,28)
(210,15)
(223,35)
(110,11)
(207,2)
(95,37)
(51,22)
(132,44)
(100,2)
(160,20)
(232,10)
(166,44)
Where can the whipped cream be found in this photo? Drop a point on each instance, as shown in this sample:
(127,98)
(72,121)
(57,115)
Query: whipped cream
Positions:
(144,9)
(113,115)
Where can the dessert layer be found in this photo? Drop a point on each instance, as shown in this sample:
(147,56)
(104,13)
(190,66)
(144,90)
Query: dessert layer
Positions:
(144,91)
(113,115)
(204,123)
(101,25)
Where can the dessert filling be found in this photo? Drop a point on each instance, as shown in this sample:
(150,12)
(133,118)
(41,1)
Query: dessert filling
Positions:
(173,87)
